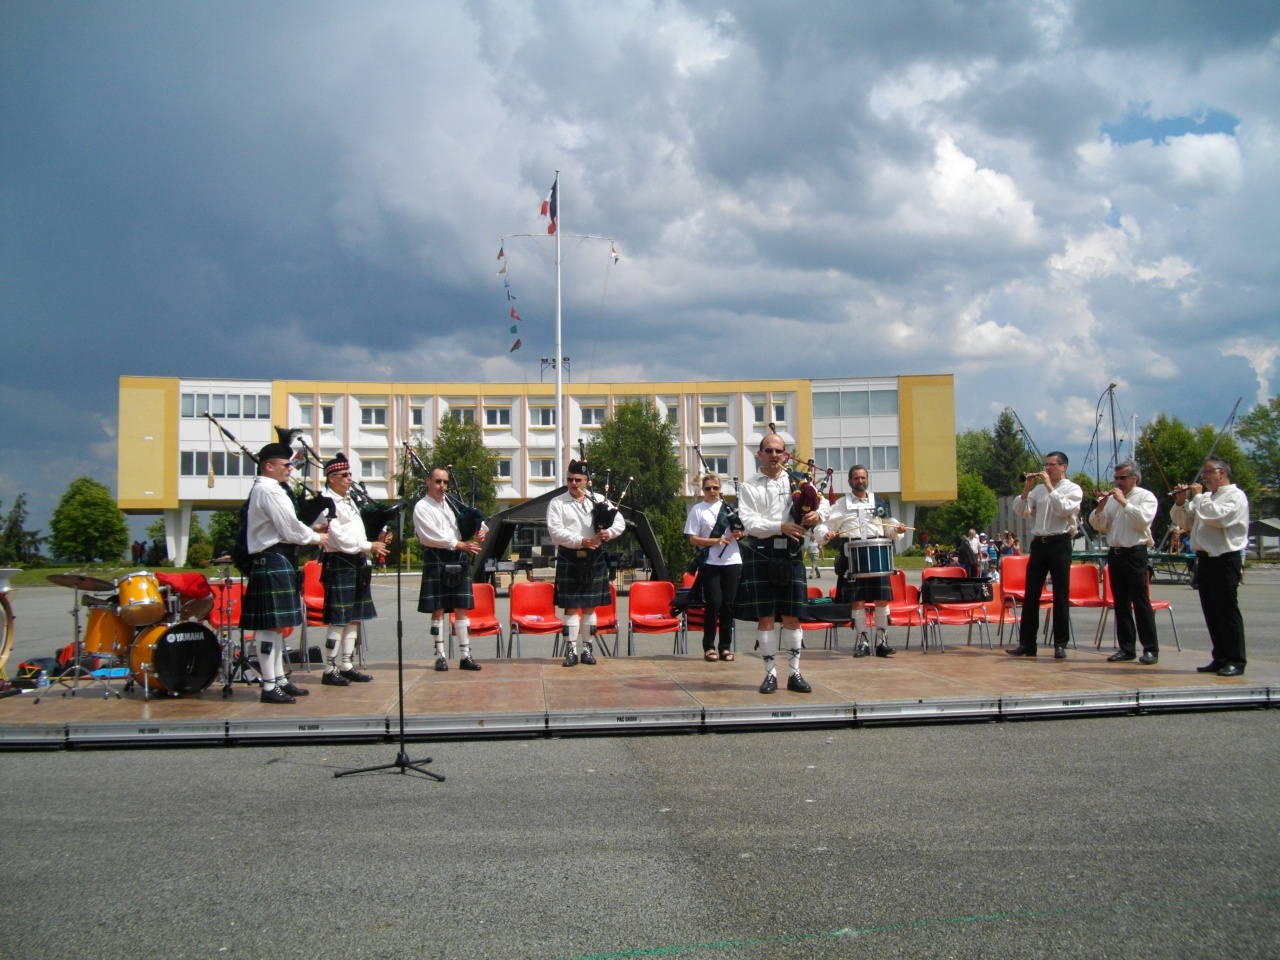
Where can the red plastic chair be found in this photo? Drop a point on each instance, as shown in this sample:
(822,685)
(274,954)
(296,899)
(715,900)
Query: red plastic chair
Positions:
(811,626)
(606,622)
(969,615)
(649,612)
(905,610)
(1013,585)
(226,612)
(955,614)
(313,593)
(1109,604)
(533,611)
(483,616)
(695,618)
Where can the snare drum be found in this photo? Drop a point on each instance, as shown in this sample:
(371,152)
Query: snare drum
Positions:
(869,558)
(140,602)
(178,658)
(107,635)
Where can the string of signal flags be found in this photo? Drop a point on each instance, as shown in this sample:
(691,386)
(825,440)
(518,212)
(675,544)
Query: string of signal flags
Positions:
(551,211)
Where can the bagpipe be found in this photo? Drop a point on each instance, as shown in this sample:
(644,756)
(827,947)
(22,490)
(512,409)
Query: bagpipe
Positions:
(307,509)
(728,521)
(469,518)
(805,497)
(603,512)
(376,515)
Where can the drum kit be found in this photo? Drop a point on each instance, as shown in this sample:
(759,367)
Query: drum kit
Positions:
(142,631)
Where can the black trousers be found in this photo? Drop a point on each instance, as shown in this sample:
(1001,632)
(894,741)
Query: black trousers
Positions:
(719,590)
(1049,557)
(1218,578)
(1127,567)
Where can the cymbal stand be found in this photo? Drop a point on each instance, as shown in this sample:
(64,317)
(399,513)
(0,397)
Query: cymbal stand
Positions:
(235,662)
(77,648)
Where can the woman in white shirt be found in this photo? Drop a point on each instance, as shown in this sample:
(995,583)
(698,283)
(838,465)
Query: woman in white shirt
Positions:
(710,532)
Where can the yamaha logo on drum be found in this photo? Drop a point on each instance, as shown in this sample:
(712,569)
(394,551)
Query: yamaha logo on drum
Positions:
(184,636)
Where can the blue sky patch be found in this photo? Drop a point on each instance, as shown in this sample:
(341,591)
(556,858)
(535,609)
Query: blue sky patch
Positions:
(1140,126)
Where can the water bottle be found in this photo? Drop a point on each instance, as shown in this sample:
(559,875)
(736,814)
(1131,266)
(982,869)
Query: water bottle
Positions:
(42,679)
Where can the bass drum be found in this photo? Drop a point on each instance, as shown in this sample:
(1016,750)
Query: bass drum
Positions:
(176,658)
(107,635)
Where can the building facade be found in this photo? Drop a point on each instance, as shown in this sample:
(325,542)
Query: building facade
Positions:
(176,453)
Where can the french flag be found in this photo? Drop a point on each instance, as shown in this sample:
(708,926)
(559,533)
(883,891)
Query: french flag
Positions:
(549,207)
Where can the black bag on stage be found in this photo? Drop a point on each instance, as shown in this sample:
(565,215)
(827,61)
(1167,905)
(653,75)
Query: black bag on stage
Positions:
(955,590)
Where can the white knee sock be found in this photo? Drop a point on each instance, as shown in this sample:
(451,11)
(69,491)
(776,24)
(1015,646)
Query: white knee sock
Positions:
(768,647)
(333,649)
(461,630)
(589,629)
(349,634)
(571,623)
(792,640)
(437,637)
(269,644)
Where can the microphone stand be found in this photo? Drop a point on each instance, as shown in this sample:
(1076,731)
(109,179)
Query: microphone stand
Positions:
(402,762)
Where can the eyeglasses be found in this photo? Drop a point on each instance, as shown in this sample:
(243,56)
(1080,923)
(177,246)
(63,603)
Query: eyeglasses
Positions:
(346,475)
(772,450)
(281,463)
(443,483)
(1052,463)
(709,489)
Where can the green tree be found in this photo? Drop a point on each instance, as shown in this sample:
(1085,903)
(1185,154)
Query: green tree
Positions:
(975,506)
(637,442)
(87,525)
(974,451)
(1010,458)
(223,527)
(461,444)
(1170,453)
(1260,429)
(13,538)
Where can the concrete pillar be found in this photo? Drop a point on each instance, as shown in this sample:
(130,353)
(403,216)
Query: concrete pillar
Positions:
(177,533)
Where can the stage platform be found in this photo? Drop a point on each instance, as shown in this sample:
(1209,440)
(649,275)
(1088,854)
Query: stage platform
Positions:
(651,694)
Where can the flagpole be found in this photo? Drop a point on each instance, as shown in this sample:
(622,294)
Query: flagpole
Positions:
(559,221)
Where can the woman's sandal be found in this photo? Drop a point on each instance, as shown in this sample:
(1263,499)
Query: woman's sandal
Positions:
(711,655)
(727,656)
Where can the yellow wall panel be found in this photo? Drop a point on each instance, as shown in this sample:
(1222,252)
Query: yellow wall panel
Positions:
(927,424)
(147,471)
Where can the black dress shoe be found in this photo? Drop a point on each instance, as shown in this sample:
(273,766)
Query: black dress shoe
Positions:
(1213,666)
(570,659)
(276,696)
(334,680)
(1059,653)
(1231,670)
(355,676)
(442,664)
(1149,657)
(1120,657)
(468,663)
(798,684)
(884,650)
(1020,652)
(587,657)
(770,683)
(293,690)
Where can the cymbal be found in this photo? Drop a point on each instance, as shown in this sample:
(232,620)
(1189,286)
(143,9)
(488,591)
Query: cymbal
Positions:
(80,581)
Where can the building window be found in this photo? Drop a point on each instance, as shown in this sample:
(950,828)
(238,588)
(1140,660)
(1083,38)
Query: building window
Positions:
(497,416)
(195,463)
(306,414)
(826,405)
(502,468)
(416,415)
(757,413)
(373,417)
(779,413)
(715,413)
(884,403)
(218,404)
(233,405)
(462,414)
(673,415)
(884,458)
(542,417)
(542,468)
(373,468)
(326,414)
(719,465)
(593,416)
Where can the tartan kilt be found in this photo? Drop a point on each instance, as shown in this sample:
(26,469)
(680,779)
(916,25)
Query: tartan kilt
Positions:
(863,589)
(434,595)
(581,582)
(272,600)
(348,596)
(757,597)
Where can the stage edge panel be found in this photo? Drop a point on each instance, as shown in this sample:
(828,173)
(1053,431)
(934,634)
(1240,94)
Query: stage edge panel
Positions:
(617,721)
(146,731)
(768,716)
(309,728)
(1224,696)
(958,708)
(1064,704)
(470,725)
(34,735)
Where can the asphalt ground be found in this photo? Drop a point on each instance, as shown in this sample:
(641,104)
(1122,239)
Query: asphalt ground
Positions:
(1140,836)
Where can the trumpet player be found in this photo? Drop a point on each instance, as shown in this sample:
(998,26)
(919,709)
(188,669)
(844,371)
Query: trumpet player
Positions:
(1051,502)
(1124,514)
(1216,512)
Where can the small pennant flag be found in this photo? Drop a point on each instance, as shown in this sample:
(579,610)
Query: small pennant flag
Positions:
(514,315)
(502,269)
(549,207)
(514,328)
(510,295)
(613,251)
(515,346)
(501,249)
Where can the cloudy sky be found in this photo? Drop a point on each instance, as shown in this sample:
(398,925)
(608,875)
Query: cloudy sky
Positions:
(1040,196)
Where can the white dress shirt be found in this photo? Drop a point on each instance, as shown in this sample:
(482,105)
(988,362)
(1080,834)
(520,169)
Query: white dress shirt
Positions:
(764,504)
(271,519)
(1051,511)
(1219,522)
(701,520)
(1130,525)
(436,524)
(346,529)
(569,520)
(850,516)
